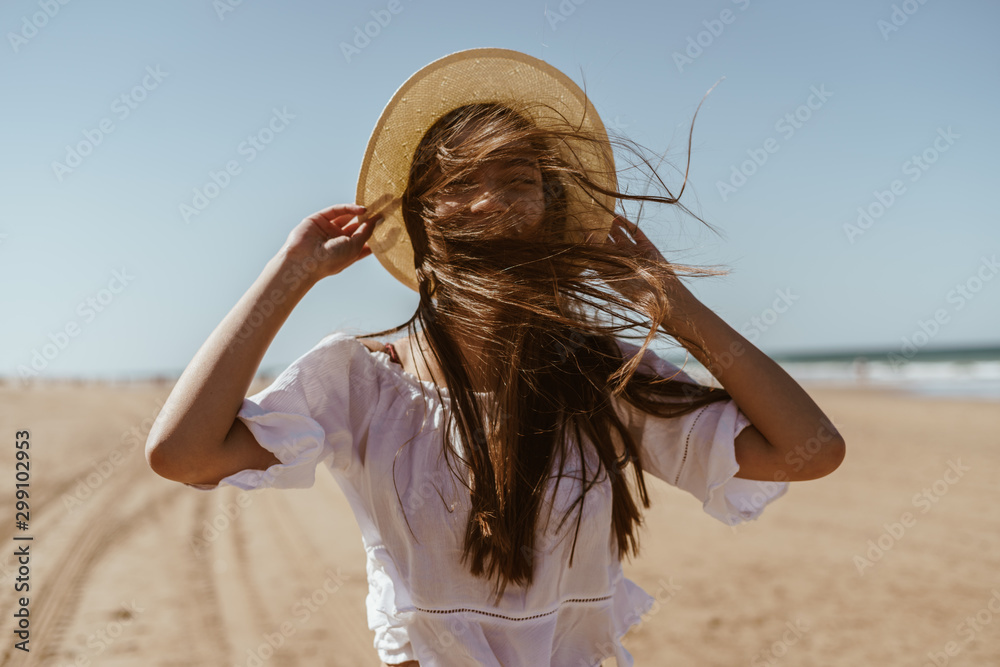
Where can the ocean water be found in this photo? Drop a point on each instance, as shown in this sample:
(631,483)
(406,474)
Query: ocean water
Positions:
(970,373)
(943,379)
(966,373)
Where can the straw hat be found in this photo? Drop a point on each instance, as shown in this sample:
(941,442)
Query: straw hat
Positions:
(467,77)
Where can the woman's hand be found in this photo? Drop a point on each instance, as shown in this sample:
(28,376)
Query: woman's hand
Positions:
(628,234)
(330,240)
(625,234)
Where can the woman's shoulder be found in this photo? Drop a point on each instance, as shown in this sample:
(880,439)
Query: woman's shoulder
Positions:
(372,345)
(345,343)
(338,355)
(394,351)
(396,363)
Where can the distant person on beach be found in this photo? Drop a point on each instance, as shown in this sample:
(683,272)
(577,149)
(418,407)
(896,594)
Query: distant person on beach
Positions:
(494,457)
(861,370)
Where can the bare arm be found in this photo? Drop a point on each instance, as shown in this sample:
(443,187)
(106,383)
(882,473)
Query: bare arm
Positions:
(197,438)
(790,439)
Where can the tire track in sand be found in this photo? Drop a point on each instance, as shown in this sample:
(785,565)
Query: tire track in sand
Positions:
(208,631)
(106,523)
(312,567)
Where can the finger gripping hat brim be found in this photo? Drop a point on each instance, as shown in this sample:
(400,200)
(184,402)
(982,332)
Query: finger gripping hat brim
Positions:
(467,77)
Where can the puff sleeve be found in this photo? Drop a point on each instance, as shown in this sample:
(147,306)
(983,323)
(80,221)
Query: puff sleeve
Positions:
(696,452)
(317,410)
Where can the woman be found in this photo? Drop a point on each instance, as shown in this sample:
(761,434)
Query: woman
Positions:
(514,401)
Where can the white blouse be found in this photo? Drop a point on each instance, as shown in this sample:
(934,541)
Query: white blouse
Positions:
(351,409)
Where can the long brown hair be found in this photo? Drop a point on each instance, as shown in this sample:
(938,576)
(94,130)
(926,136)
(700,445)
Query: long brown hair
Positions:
(542,310)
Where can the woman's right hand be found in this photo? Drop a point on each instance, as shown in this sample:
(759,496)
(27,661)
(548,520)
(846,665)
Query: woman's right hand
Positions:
(330,240)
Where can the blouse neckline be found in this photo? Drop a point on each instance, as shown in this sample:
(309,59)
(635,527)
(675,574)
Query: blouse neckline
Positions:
(397,370)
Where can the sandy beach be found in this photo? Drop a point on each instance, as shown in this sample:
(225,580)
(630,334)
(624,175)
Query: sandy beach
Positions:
(892,560)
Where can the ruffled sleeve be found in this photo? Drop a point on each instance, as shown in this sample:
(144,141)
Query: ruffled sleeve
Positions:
(697,451)
(318,410)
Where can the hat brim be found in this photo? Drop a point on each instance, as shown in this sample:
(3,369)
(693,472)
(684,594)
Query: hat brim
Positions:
(467,77)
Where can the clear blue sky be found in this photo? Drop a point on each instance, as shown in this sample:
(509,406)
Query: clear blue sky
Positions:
(889,92)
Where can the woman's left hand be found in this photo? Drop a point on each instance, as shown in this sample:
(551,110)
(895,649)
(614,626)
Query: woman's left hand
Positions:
(627,235)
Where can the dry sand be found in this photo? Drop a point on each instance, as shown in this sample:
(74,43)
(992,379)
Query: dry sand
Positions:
(116,579)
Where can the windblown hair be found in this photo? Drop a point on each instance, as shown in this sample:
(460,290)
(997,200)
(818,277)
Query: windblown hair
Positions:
(541,308)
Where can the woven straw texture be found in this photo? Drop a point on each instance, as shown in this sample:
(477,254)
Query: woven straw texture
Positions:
(466,77)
